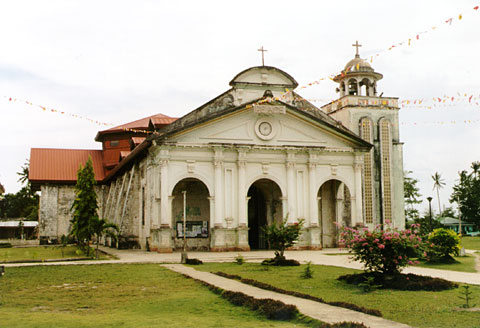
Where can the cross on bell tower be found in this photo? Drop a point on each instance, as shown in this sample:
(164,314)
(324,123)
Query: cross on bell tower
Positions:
(263,52)
(356,45)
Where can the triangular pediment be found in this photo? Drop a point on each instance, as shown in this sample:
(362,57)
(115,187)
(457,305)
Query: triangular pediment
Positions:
(271,124)
(228,132)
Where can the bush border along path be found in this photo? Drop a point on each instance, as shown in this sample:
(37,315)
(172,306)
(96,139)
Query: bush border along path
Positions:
(265,286)
(319,311)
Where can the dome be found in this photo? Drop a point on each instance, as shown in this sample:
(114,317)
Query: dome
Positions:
(362,65)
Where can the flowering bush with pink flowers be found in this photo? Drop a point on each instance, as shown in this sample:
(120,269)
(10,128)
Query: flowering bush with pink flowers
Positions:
(386,251)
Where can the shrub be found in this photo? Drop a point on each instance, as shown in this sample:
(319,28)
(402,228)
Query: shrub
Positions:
(308,271)
(193,261)
(239,259)
(277,310)
(282,236)
(272,309)
(280,261)
(442,244)
(385,251)
(399,281)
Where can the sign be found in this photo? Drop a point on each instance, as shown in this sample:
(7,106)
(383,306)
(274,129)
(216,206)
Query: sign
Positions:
(195,229)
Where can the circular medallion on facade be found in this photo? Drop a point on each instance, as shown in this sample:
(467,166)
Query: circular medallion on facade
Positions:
(265,129)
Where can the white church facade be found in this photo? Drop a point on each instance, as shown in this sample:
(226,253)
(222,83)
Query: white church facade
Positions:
(256,154)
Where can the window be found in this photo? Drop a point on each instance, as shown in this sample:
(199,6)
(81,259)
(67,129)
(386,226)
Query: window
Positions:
(114,143)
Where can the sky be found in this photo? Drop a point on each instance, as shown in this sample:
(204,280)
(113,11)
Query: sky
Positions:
(117,61)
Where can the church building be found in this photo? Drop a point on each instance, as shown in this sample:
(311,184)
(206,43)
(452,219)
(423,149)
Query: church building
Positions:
(258,153)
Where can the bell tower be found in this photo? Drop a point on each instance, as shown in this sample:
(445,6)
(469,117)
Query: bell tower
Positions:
(375,119)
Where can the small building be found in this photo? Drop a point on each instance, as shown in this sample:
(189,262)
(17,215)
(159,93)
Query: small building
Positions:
(18,229)
(256,154)
(468,229)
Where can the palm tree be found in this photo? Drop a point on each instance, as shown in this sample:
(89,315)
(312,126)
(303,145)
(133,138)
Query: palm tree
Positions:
(438,184)
(100,227)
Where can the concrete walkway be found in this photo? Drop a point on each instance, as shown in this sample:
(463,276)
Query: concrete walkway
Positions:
(316,257)
(316,310)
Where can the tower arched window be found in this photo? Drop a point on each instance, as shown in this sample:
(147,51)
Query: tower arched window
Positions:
(366,133)
(352,87)
(385,137)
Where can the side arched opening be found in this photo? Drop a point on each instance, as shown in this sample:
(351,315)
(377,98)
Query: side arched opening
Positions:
(197,214)
(334,208)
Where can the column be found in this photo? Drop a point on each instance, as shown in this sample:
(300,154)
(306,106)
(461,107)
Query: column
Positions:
(291,194)
(218,164)
(153,213)
(340,203)
(212,211)
(284,206)
(242,195)
(312,177)
(164,217)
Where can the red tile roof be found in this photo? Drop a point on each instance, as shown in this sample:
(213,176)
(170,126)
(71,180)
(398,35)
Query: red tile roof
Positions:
(158,120)
(137,140)
(124,154)
(61,165)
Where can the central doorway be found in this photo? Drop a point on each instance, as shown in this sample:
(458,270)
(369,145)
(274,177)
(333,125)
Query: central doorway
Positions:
(264,207)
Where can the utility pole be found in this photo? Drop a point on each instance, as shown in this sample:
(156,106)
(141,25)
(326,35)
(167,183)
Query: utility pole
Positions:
(430,210)
(462,250)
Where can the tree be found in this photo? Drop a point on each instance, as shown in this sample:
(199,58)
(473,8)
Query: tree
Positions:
(411,195)
(282,236)
(438,184)
(84,206)
(467,194)
(24,203)
(100,227)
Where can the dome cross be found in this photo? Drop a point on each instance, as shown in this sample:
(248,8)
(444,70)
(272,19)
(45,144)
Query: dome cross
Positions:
(356,45)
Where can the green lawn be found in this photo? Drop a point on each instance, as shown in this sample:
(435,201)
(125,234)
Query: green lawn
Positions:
(418,309)
(464,263)
(38,253)
(115,295)
(471,243)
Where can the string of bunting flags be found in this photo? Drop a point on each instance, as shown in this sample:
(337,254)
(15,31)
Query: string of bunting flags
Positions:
(53,110)
(404,103)
(406,42)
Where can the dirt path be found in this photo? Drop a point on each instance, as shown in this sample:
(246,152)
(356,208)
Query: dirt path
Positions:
(477,261)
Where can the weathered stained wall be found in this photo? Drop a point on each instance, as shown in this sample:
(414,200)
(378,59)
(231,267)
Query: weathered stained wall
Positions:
(55,210)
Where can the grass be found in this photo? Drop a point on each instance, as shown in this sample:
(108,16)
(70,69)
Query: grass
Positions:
(418,309)
(40,253)
(116,295)
(463,263)
(471,243)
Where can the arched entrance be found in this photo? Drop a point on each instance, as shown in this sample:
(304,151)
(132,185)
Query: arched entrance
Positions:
(264,207)
(334,207)
(198,214)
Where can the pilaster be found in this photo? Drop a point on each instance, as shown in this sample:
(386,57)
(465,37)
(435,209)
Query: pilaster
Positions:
(312,176)
(218,167)
(357,167)
(291,186)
